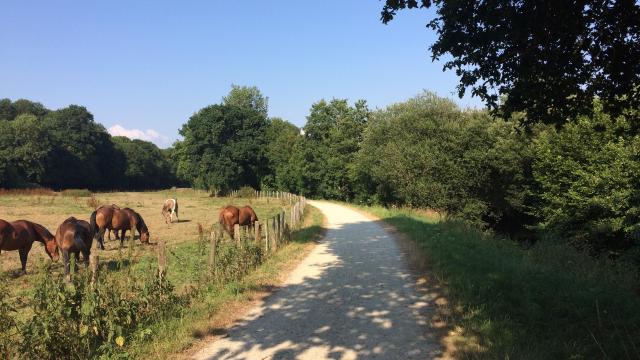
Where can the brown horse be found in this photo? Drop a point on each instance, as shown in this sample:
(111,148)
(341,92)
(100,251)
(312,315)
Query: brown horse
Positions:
(169,208)
(100,221)
(231,215)
(127,219)
(74,237)
(20,235)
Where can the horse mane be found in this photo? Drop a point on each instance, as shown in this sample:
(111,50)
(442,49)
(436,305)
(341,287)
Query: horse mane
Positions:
(140,222)
(42,231)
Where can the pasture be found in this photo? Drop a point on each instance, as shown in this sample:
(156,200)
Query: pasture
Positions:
(51,208)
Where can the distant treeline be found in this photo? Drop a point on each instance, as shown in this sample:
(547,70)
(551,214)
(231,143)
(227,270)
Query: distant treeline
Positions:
(66,148)
(578,181)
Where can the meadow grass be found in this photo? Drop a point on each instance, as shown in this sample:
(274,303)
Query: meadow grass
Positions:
(217,304)
(51,209)
(545,302)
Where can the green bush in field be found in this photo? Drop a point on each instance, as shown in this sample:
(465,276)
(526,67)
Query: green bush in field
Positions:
(9,327)
(93,319)
(76,193)
(246,192)
(428,153)
(589,183)
(233,262)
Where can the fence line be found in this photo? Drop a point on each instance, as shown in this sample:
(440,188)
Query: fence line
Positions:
(270,233)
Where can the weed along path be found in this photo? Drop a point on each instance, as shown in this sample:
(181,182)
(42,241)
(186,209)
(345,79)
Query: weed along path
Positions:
(352,298)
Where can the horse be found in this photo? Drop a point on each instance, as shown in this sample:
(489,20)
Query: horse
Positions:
(73,237)
(127,219)
(20,235)
(169,208)
(230,216)
(100,221)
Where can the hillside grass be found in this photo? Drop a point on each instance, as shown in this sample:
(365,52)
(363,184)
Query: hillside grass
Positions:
(546,302)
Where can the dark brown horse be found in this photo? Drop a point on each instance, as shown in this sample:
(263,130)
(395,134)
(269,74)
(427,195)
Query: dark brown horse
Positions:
(74,237)
(231,215)
(100,221)
(20,235)
(127,219)
(111,217)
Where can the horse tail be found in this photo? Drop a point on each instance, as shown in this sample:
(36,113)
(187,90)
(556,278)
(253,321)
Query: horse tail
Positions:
(93,224)
(77,239)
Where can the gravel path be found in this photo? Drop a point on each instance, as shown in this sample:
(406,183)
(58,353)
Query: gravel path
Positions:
(351,298)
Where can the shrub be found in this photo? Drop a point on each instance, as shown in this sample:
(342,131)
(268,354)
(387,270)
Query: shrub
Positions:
(589,190)
(76,193)
(246,192)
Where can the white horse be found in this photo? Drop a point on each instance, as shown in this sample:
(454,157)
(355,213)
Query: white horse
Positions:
(169,208)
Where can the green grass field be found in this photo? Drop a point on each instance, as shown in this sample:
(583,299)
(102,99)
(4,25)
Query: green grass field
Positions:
(186,256)
(547,302)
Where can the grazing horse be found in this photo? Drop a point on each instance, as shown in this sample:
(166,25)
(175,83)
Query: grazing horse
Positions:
(73,237)
(231,215)
(20,235)
(100,221)
(169,208)
(127,219)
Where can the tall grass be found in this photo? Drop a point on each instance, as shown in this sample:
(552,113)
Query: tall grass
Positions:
(546,302)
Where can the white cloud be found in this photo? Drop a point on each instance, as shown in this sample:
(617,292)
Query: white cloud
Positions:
(147,135)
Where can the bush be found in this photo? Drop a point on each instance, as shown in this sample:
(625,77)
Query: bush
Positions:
(92,319)
(76,193)
(428,153)
(234,262)
(246,192)
(589,189)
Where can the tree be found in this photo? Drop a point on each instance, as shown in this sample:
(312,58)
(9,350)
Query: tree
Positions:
(247,97)
(146,166)
(280,139)
(548,59)
(82,153)
(10,110)
(428,153)
(223,148)
(323,160)
(588,184)
(24,146)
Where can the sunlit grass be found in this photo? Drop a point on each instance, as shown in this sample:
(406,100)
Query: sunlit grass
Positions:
(547,302)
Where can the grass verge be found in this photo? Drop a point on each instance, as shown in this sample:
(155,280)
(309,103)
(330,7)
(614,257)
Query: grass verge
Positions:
(218,305)
(546,302)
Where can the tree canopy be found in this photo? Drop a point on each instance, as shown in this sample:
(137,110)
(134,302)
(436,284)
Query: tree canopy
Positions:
(549,59)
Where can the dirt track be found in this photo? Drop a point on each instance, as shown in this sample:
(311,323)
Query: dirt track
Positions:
(351,298)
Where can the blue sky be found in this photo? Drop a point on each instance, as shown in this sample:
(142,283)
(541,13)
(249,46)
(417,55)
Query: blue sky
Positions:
(147,66)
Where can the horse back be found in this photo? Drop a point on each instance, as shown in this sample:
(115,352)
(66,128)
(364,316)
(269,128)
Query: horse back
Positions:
(247,216)
(7,234)
(23,236)
(70,230)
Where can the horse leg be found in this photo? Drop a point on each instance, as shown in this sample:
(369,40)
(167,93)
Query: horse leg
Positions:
(101,238)
(85,257)
(24,252)
(65,257)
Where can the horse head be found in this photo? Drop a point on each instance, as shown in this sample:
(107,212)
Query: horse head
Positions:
(50,243)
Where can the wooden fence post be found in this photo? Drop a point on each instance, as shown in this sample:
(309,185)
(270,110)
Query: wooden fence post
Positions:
(266,239)
(256,229)
(162,259)
(276,232)
(236,232)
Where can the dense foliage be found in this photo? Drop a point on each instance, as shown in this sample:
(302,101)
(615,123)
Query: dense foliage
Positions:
(550,58)
(66,148)
(223,147)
